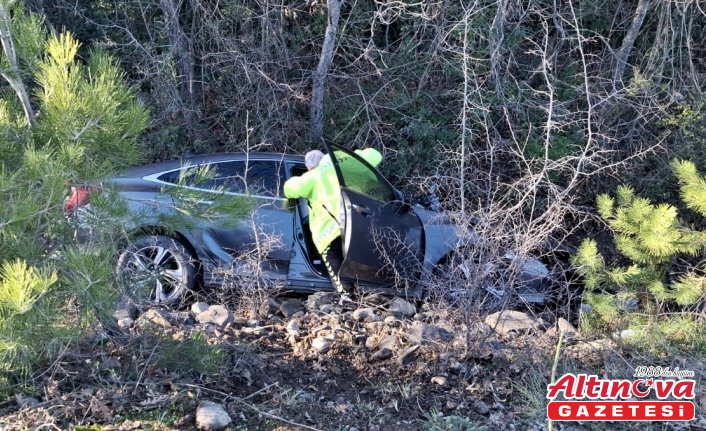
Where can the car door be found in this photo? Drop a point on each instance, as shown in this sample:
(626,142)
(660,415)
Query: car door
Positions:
(266,235)
(382,236)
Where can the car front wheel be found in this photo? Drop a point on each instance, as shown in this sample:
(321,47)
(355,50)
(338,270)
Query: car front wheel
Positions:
(156,269)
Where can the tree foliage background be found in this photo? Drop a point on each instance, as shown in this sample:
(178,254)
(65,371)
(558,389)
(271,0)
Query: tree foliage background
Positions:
(533,102)
(521,112)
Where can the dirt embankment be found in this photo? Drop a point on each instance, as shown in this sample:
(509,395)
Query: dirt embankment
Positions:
(310,363)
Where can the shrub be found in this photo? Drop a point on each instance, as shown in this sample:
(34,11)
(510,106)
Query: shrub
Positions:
(653,283)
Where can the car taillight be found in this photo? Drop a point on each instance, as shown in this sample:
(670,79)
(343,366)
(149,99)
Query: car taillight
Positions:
(78,197)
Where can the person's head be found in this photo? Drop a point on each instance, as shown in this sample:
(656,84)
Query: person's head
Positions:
(312,159)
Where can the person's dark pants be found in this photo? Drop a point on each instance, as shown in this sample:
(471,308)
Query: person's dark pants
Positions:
(333,259)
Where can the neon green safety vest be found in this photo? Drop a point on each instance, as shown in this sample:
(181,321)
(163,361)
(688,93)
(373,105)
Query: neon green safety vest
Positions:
(321,188)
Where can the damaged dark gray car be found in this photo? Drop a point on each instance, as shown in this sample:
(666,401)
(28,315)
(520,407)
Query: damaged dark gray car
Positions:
(389,244)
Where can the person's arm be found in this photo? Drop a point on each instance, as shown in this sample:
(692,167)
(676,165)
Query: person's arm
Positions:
(299,187)
(370,155)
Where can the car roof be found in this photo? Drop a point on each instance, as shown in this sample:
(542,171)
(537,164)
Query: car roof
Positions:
(208,158)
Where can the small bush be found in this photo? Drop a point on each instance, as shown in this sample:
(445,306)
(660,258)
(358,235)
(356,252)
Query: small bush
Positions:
(656,287)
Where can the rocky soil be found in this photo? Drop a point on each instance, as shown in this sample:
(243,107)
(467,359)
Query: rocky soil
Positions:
(309,363)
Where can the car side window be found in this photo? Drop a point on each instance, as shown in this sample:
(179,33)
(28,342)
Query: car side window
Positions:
(230,176)
(263,177)
(189,175)
(360,178)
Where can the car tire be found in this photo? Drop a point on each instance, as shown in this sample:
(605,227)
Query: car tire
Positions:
(157,269)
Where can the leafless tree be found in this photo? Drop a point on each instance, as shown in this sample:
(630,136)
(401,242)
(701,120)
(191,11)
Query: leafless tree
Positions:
(621,59)
(180,48)
(318,88)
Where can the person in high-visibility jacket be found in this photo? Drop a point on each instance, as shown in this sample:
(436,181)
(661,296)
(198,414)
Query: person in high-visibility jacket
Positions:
(319,185)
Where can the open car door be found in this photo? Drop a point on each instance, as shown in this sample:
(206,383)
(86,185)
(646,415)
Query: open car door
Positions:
(382,237)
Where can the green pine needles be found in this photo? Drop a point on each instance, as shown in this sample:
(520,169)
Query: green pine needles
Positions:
(85,125)
(654,283)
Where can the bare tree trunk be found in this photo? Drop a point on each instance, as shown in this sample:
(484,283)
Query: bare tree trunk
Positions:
(316,114)
(497,37)
(181,50)
(12,75)
(180,47)
(621,59)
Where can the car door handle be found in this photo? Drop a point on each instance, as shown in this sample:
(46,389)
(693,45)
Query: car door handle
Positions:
(361,210)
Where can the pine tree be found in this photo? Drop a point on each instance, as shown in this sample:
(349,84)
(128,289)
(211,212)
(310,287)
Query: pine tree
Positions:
(651,238)
(86,127)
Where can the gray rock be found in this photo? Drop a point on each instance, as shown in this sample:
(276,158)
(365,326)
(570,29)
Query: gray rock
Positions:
(392,321)
(268,308)
(510,322)
(565,327)
(199,307)
(211,416)
(216,315)
(253,323)
(293,327)
(480,407)
(423,333)
(372,343)
(126,311)
(320,344)
(290,307)
(402,309)
(257,331)
(125,323)
(440,380)
(25,402)
(390,342)
(407,356)
(381,355)
(364,314)
(480,328)
(327,308)
(157,317)
(317,300)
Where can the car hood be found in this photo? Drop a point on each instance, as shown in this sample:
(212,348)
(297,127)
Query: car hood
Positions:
(443,237)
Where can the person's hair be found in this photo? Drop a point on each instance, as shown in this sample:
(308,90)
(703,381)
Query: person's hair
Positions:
(312,158)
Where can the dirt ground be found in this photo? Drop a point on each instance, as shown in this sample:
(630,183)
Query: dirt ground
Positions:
(304,368)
